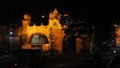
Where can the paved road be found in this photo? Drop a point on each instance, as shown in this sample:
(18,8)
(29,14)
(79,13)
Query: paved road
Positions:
(48,61)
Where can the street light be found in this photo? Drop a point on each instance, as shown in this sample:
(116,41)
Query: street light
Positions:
(11,33)
(43,16)
(11,41)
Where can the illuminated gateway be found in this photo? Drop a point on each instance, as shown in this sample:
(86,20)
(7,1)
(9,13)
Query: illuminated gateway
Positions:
(37,37)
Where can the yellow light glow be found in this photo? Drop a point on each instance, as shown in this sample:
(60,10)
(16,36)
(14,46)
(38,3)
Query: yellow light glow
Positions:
(56,30)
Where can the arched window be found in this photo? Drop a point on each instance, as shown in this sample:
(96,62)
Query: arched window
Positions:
(39,39)
(35,39)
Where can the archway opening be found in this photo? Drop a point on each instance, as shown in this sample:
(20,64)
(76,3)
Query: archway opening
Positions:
(69,44)
(37,40)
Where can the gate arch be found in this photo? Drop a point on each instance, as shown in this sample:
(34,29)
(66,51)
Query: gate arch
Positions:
(69,44)
(38,38)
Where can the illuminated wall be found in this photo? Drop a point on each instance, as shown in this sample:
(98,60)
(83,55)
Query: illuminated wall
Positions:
(117,36)
(54,26)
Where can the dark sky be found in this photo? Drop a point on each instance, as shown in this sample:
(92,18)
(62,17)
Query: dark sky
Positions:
(14,11)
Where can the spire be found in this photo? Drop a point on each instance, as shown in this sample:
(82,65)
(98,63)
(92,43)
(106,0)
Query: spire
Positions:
(55,12)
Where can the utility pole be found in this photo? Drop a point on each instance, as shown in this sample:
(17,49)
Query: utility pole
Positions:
(51,41)
(92,40)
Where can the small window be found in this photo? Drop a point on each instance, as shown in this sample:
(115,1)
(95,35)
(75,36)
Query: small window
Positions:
(55,24)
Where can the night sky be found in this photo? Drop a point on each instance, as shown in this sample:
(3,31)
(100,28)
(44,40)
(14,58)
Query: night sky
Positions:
(14,12)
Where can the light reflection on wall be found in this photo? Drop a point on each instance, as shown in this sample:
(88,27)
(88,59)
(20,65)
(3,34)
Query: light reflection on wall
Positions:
(56,30)
(117,34)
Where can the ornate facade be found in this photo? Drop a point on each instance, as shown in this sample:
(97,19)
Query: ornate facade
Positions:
(53,31)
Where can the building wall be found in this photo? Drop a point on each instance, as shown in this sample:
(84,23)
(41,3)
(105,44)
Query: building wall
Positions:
(53,27)
(117,37)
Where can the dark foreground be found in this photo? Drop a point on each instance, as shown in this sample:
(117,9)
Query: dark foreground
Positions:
(28,60)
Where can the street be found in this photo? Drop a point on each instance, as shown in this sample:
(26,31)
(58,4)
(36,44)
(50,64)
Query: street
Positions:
(46,61)
(64,60)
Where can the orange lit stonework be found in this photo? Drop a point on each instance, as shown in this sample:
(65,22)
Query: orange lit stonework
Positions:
(117,36)
(54,26)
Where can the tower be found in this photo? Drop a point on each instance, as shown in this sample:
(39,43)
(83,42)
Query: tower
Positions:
(54,19)
(55,25)
(26,21)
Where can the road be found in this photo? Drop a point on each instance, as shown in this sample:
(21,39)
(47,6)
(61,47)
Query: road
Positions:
(48,61)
